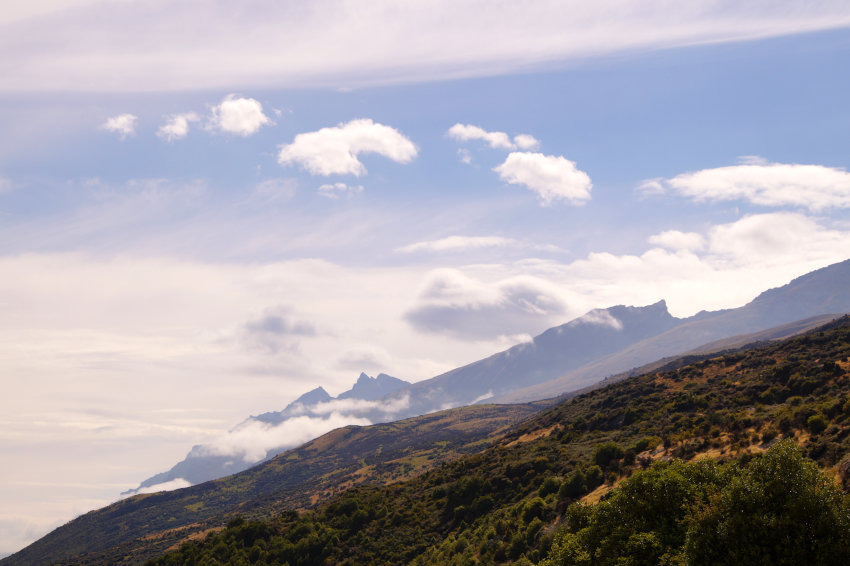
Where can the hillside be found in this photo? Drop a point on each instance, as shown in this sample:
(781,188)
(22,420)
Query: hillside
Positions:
(132,530)
(505,504)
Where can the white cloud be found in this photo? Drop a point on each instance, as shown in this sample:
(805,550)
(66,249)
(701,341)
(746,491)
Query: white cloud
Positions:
(361,406)
(335,150)
(162,45)
(814,187)
(5,185)
(177,126)
(464,155)
(676,240)
(335,190)
(599,317)
(178,483)
(466,132)
(496,140)
(239,116)
(765,239)
(551,177)
(454,243)
(123,124)
(252,440)
(526,141)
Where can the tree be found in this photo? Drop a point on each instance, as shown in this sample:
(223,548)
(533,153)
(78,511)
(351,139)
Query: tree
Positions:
(779,510)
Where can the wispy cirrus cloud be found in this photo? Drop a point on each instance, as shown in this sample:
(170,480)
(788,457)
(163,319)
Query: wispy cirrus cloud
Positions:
(336,190)
(335,150)
(455,243)
(161,45)
(814,187)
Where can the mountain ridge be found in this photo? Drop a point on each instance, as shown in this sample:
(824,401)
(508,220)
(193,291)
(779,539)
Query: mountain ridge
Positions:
(577,354)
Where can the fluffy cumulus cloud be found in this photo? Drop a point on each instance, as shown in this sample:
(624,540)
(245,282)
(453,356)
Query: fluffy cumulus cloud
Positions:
(551,177)
(457,243)
(335,150)
(123,124)
(238,116)
(814,187)
(177,126)
(496,140)
(336,190)
(456,304)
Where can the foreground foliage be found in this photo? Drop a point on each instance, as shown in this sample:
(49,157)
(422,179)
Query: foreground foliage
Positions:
(776,509)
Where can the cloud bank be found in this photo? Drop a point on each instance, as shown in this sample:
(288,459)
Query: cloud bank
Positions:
(253,440)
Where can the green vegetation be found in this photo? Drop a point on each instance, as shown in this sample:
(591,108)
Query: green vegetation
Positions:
(679,460)
(674,456)
(777,509)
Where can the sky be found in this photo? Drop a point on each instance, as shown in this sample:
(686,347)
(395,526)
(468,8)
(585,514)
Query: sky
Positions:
(208,208)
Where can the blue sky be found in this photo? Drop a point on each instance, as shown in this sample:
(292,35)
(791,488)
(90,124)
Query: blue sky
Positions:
(343,189)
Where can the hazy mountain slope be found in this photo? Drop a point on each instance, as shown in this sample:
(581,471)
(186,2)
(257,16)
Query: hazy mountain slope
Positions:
(822,292)
(559,349)
(131,530)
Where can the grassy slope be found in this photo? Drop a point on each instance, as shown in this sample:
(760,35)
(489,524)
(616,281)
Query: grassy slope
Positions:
(503,504)
(130,531)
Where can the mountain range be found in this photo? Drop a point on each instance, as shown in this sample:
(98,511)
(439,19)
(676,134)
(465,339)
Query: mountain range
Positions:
(486,484)
(569,357)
